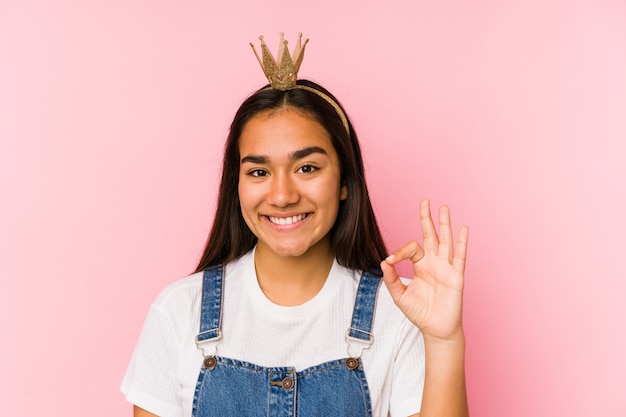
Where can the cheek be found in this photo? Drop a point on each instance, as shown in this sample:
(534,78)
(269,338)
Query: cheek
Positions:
(329,193)
(245,202)
(251,197)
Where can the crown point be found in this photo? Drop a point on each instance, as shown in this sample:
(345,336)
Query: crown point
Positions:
(282,71)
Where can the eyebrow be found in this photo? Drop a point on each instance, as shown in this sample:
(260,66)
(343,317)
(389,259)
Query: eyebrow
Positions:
(299,154)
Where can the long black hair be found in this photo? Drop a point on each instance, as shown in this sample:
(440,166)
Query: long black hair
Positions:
(355,238)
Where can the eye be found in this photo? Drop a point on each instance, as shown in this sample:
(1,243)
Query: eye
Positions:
(257,172)
(307,169)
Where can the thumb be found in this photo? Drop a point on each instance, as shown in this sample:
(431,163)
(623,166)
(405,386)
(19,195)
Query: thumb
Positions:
(392,279)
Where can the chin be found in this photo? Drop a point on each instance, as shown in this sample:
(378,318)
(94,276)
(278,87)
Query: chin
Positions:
(293,249)
(290,252)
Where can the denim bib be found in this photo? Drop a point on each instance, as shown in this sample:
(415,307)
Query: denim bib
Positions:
(229,387)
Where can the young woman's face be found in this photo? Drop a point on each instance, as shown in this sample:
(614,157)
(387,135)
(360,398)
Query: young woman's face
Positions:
(289,183)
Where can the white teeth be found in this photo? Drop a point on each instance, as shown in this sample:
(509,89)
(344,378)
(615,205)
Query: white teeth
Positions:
(286,220)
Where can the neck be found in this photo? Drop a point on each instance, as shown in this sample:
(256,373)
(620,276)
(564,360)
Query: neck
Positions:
(291,281)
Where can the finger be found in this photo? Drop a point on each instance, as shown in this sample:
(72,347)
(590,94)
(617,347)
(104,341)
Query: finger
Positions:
(446,244)
(392,280)
(431,241)
(460,251)
(411,251)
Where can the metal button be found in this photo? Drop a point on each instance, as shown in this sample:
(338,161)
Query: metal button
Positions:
(287,383)
(352,364)
(210,362)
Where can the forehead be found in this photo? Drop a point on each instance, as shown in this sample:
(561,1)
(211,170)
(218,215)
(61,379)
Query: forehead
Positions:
(283,130)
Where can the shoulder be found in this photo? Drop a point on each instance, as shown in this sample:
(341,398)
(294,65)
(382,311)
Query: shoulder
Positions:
(183,297)
(176,306)
(179,291)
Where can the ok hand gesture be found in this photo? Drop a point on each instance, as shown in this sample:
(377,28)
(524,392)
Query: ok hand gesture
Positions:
(433,301)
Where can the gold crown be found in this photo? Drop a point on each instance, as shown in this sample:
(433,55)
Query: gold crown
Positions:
(282,72)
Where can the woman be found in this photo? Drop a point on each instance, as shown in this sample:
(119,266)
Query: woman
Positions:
(285,315)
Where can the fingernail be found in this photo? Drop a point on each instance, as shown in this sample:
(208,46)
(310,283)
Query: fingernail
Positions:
(390,257)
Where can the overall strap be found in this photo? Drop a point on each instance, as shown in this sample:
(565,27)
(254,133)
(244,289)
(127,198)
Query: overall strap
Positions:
(363,313)
(211,310)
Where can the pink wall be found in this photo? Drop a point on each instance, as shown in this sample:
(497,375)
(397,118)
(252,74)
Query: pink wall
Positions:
(112,119)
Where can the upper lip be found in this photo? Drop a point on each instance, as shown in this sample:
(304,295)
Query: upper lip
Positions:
(285,215)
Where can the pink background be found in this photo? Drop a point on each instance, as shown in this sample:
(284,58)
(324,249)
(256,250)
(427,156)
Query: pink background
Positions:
(112,119)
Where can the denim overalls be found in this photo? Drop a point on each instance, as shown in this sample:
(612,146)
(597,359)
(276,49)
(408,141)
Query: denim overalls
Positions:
(230,387)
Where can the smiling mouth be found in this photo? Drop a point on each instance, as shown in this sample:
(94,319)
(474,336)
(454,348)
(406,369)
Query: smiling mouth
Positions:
(284,221)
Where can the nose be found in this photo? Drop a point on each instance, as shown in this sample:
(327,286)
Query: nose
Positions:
(283,191)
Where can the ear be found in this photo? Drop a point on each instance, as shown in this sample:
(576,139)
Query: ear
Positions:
(343,193)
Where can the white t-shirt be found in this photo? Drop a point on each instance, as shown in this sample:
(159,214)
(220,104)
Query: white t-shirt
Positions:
(163,371)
